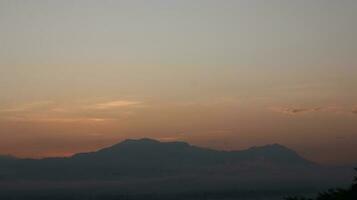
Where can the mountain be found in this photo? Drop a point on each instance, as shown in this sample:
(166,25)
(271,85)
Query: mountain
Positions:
(152,158)
(274,154)
(133,169)
(6,157)
(149,152)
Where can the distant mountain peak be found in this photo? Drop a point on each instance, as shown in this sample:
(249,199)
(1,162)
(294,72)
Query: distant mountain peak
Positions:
(272,147)
(143,145)
(141,140)
(7,157)
(150,157)
(277,145)
(278,153)
(148,141)
(145,148)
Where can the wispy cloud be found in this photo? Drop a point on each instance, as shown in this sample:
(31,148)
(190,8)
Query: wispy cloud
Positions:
(296,110)
(30,118)
(115,104)
(48,111)
(354,110)
(335,109)
(27,106)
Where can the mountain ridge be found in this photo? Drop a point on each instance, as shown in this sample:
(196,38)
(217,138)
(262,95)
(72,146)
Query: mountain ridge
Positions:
(145,145)
(146,141)
(141,141)
(147,157)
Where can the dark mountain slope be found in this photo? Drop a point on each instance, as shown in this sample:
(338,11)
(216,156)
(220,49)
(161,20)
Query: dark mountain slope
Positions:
(274,154)
(151,158)
(148,153)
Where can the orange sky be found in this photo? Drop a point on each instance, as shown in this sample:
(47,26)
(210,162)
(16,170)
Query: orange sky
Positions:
(80,75)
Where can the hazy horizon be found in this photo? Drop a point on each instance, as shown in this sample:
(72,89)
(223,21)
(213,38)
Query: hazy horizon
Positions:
(79,75)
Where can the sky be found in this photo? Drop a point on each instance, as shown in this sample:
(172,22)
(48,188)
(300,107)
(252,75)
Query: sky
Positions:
(79,75)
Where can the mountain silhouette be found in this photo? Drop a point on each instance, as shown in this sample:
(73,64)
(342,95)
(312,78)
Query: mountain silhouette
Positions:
(140,167)
(145,152)
(152,158)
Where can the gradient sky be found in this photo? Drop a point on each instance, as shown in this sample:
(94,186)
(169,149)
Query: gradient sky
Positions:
(80,75)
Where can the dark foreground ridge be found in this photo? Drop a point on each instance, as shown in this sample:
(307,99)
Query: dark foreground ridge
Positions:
(150,169)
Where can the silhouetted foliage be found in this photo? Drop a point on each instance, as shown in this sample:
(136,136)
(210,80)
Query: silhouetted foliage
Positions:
(334,194)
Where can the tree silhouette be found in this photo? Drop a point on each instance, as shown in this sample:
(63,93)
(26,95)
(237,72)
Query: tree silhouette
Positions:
(334,194)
